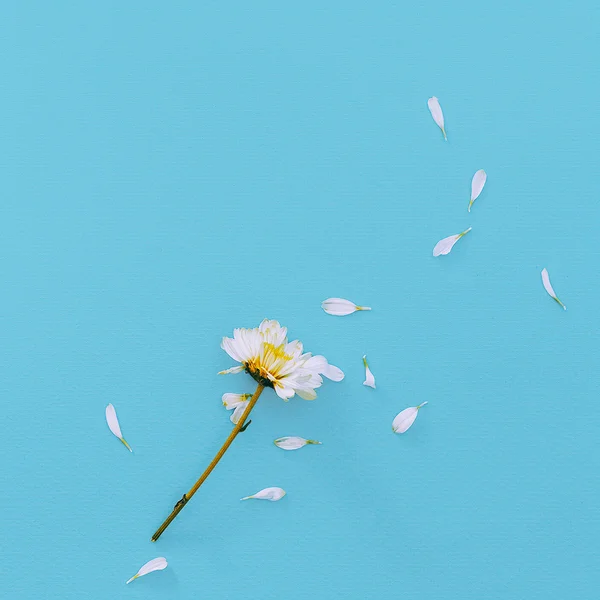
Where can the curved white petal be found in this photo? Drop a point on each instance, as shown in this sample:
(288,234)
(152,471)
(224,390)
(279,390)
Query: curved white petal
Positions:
(369,377)
(285,393)
(314,364)
(340,307)
(333,373)
(319,364)
(293,443)
(231,401)
(406,418)
(444,246)
(436,112)
(113,422)
(271,493)
(477,184)
(113,425)
(548,287)
(236,415)
(232,348)
(156,564)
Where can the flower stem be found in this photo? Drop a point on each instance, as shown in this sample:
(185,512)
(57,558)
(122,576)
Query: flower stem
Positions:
(186,497)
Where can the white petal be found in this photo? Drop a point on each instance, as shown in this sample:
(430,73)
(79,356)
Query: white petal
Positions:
(406,418)
(271,493)
(306,394)
(549,288)
(444,246)
(236,415)
(340,307)
(238,369)
(234,347)
(318,364)
(369,379)
(113,424)
(293,443)
(477,184)
(315,364)
(333,373)
(231,401)
(285,393)
(156,564)
(436,112)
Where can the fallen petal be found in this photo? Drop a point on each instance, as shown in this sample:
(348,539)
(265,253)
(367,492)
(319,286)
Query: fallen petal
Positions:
(477,184)
(340,307)
(549,288)
(156,564)
(113,425)
(369,377)
(271,493)
(444,246)
(436,112)
(293,443)
(406,418)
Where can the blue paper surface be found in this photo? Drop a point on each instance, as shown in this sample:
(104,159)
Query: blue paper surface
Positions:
(171,171)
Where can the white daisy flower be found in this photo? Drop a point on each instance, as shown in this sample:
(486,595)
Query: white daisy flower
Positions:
(265,353)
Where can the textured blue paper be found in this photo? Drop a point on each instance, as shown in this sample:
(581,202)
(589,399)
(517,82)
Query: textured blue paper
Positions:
(172,171)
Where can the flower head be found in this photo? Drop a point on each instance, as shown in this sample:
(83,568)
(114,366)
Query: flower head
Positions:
(265,353)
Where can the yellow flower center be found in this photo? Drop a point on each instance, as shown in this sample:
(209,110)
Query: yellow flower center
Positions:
(266,367)
(275,352)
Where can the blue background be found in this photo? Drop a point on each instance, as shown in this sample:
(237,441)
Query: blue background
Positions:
(171,171)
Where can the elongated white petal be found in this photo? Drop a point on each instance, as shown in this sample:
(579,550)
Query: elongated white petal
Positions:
(238,369)
(369,377)
(406,418)
(113,422)
(549,288)
(236,415)
(436,112)
(156,564)
(477,184)
(444,246)
(334,373)
(293,443)
(271,493)
(113,425)
(340,307)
